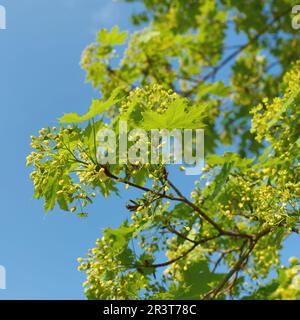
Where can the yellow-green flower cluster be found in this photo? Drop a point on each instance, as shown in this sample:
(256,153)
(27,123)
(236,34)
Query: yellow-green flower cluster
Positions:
(289,281)
(152,97)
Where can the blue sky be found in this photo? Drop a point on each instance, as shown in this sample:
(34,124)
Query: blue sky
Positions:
(40,79)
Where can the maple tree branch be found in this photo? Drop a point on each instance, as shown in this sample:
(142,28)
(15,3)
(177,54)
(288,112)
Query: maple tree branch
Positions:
(169,262)
(242,261)
(205,216)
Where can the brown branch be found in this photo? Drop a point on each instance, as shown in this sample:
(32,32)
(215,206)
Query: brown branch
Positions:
(132,184)
(183,199)
(167,263)
(242,261)
(233,281)
(223,254)
(180,235)
(239,264)
(205,216)
(216,264)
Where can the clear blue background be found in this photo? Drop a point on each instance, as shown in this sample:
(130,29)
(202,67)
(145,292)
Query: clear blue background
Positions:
(40,79)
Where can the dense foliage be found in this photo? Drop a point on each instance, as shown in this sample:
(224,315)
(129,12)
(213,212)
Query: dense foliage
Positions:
(183,69)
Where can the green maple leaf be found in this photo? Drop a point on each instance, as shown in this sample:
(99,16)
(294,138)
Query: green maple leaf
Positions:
(112,38)
(97,107)
(175,117)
